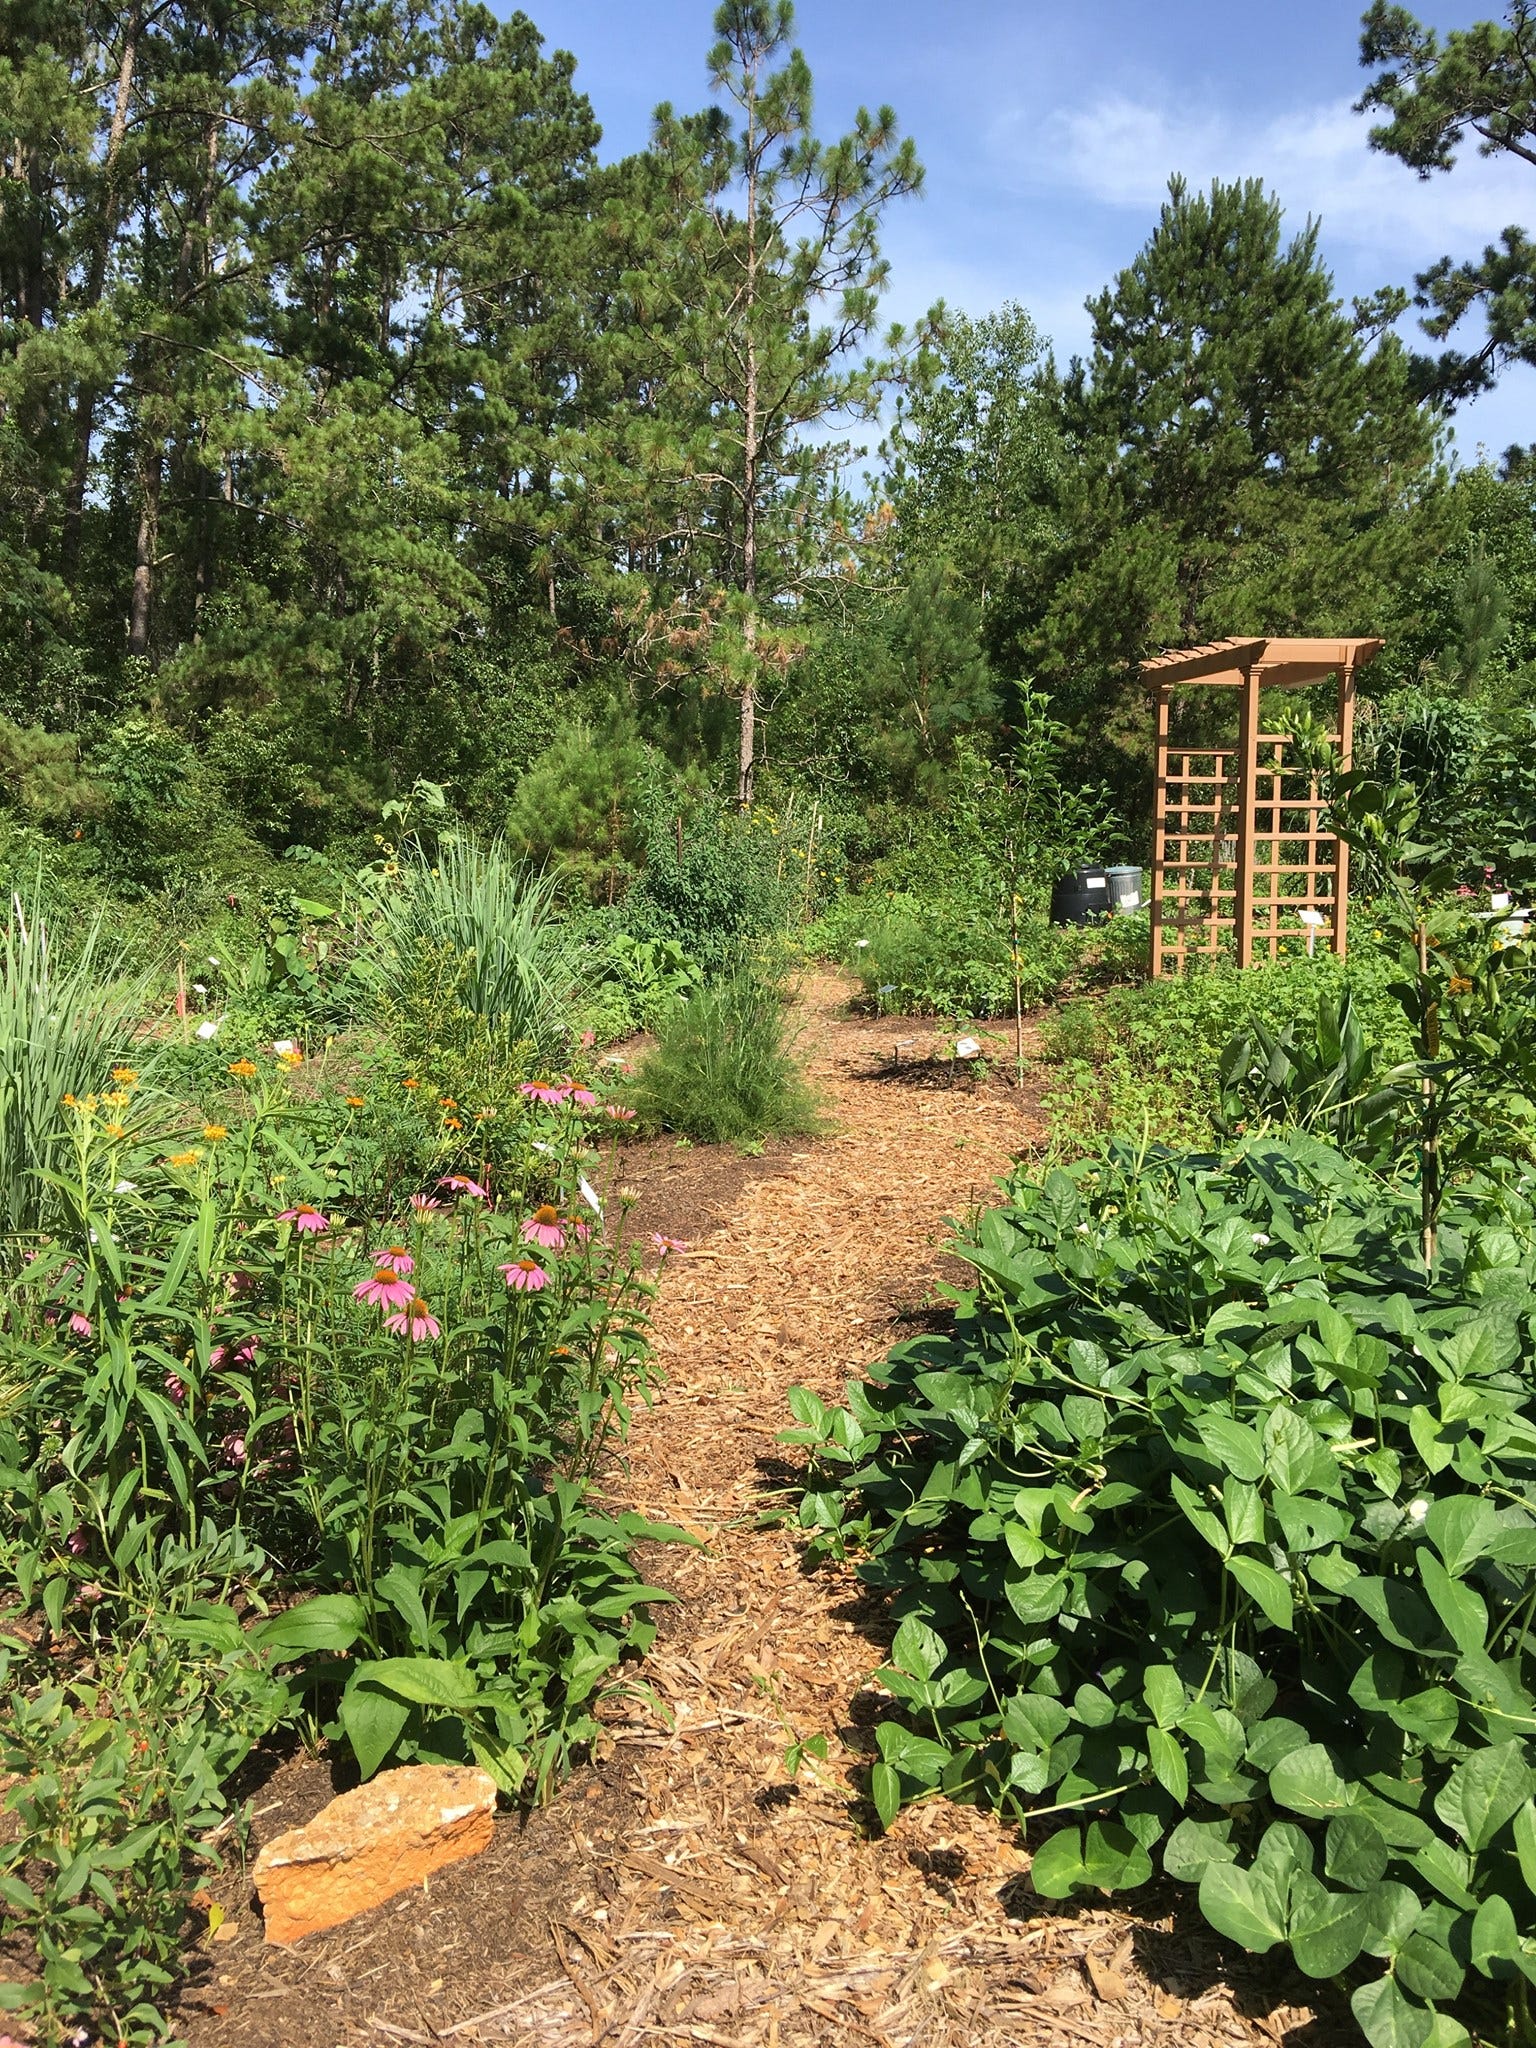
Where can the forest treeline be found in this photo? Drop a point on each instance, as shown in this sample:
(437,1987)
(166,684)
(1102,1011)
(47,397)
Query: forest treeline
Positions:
(360,426)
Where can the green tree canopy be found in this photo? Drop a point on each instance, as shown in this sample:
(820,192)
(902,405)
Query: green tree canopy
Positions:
(1478,81)
(1243,459)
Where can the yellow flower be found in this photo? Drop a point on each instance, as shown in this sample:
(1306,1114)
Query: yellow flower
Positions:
(357,1101)
(116,1098)
(124,1076)
(214,1132)
(411,1083)
(183,1159)
(70,1102)
(243,1070)
(1460,985)
(290,1059)
(113,1131)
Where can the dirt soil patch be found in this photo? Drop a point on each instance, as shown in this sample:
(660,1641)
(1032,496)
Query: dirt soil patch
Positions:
(683,1887)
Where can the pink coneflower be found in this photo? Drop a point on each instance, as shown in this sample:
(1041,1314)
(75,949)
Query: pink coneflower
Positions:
(588,1040)
(233,1448)
(416,1322)
(461,1184)
(309,1222)
(421,1203)
(525,1276)
(574,1227)
(396,1257)
(77,1543)
(668,1244)
(543,1228)
(242,1283)
(385,1288)
(176,1387)
(583,1098)
(618,1112)
(244,1353)
(80,1324)
(544,1091)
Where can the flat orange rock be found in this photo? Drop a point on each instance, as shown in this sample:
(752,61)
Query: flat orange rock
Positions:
(385,1838)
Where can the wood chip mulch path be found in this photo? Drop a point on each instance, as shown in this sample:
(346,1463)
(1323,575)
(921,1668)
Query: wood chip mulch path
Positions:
(711,1898)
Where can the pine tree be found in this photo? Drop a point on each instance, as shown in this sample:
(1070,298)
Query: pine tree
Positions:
(1243,460)
(1481,81)
(754,314)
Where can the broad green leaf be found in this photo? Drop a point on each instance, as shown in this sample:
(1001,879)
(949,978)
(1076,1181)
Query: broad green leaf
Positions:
(1265,1585)
(1233,1445)
(915,1756)
(1194,1844)
(1448,1870)
(917,1649)
(885,1790)
(1460,1528)
(1525,1844)
(1327,1929)
(1388,2018)
(1169,1766)
(373,1720)
(1355,1855)
(1106,1858)
(1307,1781)
(1461,1611)
(1033,1720)
(331,1621)
(1210,1526)
(1248,1906)
(1496,1938)
(1394,1913)
(1484,1792)
(1425,1965)
(425,1681)
(1163,1690)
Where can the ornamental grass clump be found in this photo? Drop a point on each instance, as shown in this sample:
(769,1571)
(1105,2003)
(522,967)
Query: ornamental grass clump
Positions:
(723,1069)
(62,1031)
(1211,1533)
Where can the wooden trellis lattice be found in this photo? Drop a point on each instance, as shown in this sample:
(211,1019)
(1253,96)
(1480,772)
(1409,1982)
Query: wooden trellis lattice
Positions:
(1239,845)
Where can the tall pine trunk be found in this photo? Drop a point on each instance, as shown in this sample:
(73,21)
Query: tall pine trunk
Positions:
(86,397)
(146,544)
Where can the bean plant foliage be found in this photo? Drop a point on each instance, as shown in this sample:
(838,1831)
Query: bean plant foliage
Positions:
(1211,1532)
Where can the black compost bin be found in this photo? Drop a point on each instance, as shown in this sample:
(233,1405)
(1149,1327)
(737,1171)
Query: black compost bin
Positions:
(1081,897)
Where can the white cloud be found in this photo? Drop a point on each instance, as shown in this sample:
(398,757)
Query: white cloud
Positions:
(1120,152)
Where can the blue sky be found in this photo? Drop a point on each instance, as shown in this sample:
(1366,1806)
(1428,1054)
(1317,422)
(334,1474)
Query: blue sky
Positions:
(1049,133)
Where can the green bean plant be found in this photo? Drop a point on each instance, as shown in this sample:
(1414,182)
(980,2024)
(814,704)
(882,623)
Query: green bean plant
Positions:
(1210,1531)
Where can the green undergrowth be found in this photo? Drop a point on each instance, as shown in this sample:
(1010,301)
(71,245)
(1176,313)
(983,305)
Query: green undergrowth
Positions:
(1147,1056)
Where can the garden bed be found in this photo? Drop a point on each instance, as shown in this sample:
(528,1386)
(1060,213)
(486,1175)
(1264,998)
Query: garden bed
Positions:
(686,1885)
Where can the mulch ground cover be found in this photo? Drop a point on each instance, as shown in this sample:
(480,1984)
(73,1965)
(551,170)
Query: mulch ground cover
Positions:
(682,1887)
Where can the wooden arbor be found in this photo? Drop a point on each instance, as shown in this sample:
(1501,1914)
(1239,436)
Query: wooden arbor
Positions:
(1238,845)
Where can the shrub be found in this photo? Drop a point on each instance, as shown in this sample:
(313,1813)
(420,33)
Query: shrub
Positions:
(1212,1522)
(723,1069)
(711,884)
